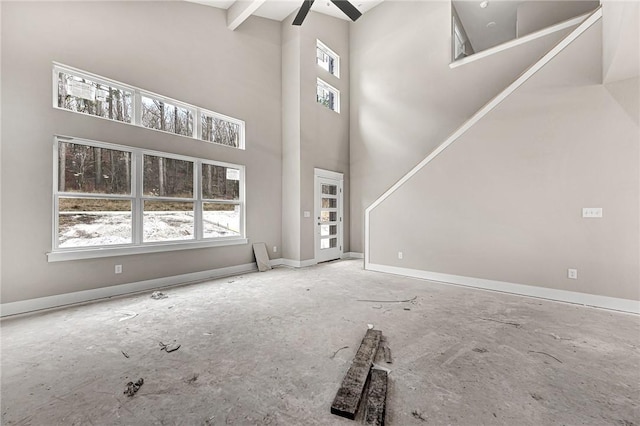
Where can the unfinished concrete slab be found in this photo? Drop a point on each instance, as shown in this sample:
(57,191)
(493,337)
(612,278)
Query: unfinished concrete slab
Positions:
(261,349)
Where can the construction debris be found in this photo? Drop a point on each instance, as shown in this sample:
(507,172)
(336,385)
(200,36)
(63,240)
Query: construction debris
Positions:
(336,352)
(170,347)
(376,398)
(350,393)
(515,324)
(128,315)
(132,388)
(388,301)
(480,350)
(158,295)
(418,415)
(544,353)
(387,354)
(126,355)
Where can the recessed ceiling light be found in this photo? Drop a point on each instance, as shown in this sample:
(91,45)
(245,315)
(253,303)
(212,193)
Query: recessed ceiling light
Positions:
(491,24)
(484,4)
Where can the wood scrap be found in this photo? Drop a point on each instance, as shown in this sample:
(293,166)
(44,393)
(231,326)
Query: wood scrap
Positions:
(349,395)
(376,398)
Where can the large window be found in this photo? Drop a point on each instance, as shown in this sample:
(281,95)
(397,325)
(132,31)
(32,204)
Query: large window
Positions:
(114,197)
(83,92)
(327,59)
(328,95)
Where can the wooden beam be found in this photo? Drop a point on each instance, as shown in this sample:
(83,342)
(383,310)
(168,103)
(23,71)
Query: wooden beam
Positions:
(240,10)
(349,395)
(376,398)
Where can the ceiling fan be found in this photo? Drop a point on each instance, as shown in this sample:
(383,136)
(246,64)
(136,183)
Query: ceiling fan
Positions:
(344,5)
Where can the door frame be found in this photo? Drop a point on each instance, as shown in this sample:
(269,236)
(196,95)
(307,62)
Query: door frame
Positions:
(339,177)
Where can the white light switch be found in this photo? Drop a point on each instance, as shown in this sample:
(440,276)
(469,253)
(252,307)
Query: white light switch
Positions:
(592,212)
(307,214)
(400,255)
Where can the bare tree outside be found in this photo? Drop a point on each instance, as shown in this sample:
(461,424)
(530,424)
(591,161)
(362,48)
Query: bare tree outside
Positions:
(220,131)
(82,95)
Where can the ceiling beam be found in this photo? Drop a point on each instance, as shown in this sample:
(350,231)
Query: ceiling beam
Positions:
(240,10)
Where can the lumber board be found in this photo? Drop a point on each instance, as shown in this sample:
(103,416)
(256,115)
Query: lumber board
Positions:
(348,398)
(376,398)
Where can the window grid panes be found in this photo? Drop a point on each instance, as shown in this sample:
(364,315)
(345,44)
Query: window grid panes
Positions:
(83,92)
(327,59)
(96,203)
(328,96)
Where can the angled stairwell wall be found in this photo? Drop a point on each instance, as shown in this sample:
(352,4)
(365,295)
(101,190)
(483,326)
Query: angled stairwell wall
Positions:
(499,204)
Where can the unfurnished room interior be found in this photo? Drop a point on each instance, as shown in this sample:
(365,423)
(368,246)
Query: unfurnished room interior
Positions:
(447,233)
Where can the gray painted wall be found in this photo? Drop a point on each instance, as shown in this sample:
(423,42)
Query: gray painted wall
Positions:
(504,202)
(323,138)
(536,15)
(405,100)
(178,49)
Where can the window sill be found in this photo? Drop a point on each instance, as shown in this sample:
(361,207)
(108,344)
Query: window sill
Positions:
(94,253)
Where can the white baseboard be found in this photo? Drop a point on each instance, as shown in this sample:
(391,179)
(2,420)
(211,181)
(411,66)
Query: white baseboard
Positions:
(613,303)
(352,255)
(30,305)
(293,263)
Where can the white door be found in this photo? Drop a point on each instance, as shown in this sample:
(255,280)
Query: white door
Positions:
(328,215)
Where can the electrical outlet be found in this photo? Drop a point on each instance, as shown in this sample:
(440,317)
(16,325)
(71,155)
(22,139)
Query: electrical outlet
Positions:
(118,269)
(572,274)
(399,255)
(275,249)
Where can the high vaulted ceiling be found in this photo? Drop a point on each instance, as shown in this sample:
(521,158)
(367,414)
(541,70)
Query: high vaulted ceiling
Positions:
(239,10)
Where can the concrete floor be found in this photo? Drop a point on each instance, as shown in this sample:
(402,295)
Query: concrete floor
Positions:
(258,349)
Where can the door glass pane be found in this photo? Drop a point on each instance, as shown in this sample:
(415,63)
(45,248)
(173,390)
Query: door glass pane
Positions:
(329,189)
(326,230)
(220,220)
(167,221)
(326,216)
(327,243)
(329,203)
(93,222)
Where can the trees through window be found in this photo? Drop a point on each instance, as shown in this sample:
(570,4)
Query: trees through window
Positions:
(86,93)
(109,195)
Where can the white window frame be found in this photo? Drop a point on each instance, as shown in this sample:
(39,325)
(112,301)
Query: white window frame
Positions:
(336,58)
(336,93)
(136,113)
(137,197)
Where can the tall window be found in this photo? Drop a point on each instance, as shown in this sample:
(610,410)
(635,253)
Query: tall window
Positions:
(328,95)
(80,91)
(109,195)
(327,59)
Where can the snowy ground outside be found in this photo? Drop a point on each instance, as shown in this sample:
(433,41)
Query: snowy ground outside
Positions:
(109,228)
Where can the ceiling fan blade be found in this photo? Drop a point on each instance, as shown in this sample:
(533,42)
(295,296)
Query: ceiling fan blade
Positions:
(348,9)
(302,13)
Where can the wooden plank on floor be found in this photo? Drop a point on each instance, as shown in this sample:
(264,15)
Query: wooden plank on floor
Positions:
(349,395)
(376,398)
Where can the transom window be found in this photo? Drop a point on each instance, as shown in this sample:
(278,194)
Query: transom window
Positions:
(327,59)
(328,95)
(112,196)
(83,92)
